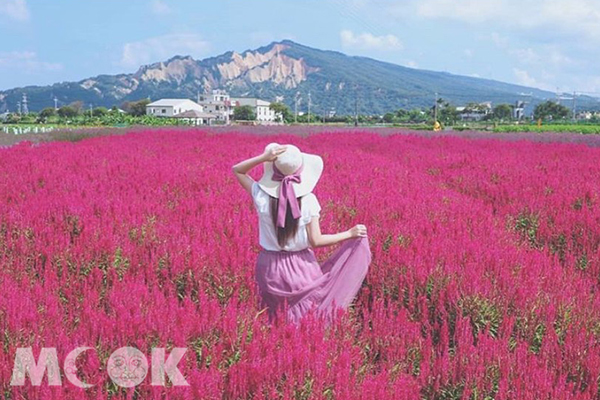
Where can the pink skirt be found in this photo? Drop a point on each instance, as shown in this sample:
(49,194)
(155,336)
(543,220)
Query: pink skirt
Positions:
(294,280)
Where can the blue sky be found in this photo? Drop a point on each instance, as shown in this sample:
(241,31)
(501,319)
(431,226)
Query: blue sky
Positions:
(549,44)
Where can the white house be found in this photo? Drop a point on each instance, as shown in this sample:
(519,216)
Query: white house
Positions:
(217,104)
(220,104)
(172,107)
(261,108)
(195,117)
(474,111)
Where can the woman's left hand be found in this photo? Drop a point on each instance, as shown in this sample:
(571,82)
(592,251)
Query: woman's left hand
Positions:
(273,153)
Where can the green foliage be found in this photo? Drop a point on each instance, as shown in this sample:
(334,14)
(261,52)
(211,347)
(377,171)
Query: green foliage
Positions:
(99,111)
(558,128)
(67,112)
(410,116)
(527,224)
(503,111)
(550,110)
(448,114)
(47,112)
(77,106)
(244,113)
(282,111)
(136,108)
(388,118)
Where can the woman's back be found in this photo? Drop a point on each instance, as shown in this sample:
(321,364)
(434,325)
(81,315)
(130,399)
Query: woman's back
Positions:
(309,208)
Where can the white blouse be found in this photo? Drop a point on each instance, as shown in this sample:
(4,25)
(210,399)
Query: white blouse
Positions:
(267,235)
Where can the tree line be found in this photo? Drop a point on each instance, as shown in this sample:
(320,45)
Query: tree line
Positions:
(443,111)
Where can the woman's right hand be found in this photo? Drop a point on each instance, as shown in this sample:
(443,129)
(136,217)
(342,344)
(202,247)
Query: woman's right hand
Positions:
(358,231)
(272,153)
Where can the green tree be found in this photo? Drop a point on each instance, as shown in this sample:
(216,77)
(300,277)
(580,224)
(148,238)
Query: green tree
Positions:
(136,108)
(47,112)
(402,115)
(551,110)
(503,111)
(388,118)
(67,112)
(99,111)
(244,113)
(77,106)
(281,111)
(416,116)
(448,114)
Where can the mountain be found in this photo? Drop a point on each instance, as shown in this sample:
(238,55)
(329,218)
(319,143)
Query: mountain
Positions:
(280,70)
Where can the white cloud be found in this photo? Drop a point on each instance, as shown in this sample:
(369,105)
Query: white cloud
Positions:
(544,54)
(524,78)
(26,61)
(468,53)
(559,36)
(368,41)
(14,9)
(463,10)
(411,64)
(159,7)
(162,47)
(580,18)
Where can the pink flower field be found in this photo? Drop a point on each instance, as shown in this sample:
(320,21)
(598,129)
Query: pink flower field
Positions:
(484,282)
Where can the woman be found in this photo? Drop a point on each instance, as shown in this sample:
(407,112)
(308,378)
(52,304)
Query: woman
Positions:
(287,272)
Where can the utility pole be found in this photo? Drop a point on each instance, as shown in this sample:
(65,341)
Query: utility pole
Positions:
(309,106)
(55,103)
(435,108)
(355,105)
(296,107)
(18,107)
(91,110)
(574,108)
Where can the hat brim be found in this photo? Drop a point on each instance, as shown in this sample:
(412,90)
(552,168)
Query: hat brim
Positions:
(311,172)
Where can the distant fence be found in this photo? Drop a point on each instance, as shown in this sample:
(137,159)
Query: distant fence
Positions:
(19,130)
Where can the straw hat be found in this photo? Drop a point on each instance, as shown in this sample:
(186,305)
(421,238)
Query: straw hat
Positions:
(288,162)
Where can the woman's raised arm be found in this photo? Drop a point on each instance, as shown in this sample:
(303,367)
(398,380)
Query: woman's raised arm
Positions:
(242,168)
(317,239)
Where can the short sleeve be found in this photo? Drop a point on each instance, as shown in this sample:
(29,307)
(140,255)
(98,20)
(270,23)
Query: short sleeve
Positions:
(310,207)
(259,198)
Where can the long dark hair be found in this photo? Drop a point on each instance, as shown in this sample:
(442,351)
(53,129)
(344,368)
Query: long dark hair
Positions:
(291,224)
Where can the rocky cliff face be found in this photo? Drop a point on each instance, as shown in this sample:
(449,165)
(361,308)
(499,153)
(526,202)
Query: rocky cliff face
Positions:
(273,66)
(240,70)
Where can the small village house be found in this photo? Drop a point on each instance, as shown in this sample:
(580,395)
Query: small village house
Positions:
(195,117)
(214,108)
(172,107)
(475,112)
(218,104)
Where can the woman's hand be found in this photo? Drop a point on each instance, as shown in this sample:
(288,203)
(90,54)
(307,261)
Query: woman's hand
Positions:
(272,153)
(358,231)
